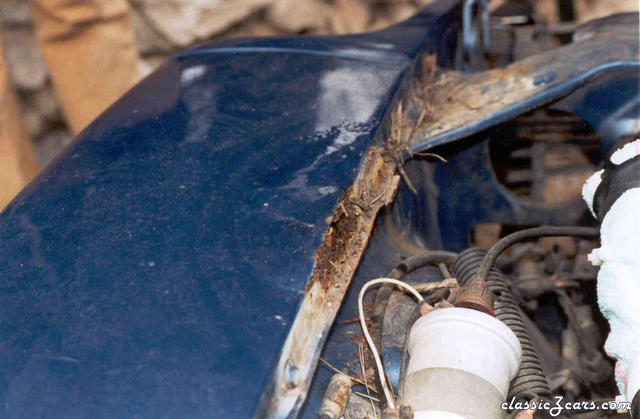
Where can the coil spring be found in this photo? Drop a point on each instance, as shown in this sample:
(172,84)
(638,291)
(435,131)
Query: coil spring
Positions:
(529,383)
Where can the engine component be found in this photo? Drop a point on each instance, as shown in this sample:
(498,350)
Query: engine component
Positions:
(530,381)
(613,195)
(528,234)
(476,295)
(336,397)
(359,407)
(462,361)
(588,336)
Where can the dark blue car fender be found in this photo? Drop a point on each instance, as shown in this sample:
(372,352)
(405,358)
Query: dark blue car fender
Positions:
(155,267)
(187,254)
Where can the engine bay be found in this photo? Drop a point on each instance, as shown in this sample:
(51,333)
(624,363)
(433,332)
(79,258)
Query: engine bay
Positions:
(511,183)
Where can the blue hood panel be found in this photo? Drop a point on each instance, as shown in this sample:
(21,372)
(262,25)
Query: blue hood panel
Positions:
(154,268)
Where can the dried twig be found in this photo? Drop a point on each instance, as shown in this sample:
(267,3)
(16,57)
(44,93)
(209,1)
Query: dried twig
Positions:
(364,376)
(447,283)
(405,177)
(376,198)
(375,399)
(344,210)
(423,113)
(355,379)
(425,154)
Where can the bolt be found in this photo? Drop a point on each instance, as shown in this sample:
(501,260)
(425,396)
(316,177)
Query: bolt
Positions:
(292,373)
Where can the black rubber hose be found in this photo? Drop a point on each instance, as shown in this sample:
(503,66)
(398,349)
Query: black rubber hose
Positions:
(410,264)
(529,234)
(429,257)
(530,382)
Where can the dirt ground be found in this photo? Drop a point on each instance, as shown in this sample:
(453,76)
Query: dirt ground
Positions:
(165,27)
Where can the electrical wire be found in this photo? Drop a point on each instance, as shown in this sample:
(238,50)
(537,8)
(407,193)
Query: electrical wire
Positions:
(528,234)
(374,350)
(421,260)
(410,264)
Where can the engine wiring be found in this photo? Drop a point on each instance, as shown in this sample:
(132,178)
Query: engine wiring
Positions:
(441,259)
(376,356)
(530,234)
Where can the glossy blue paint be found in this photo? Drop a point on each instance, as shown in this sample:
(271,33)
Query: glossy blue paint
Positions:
(154,268)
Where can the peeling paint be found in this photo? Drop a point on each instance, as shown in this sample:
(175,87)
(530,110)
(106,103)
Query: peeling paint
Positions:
(343,245)
(466,103)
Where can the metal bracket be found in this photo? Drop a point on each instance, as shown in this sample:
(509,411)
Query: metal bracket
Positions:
(475,31)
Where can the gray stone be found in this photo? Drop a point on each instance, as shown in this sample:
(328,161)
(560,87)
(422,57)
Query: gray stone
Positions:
(33,122)
(27,69)
(300,15)
(150,63)
(44,101)
(40,111)
(149,40)
(392,15)
(182,22)
(350,16)
(14,12)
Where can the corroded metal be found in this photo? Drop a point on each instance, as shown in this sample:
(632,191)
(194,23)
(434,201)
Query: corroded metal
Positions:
(476,295)
(466,103)
(336,397)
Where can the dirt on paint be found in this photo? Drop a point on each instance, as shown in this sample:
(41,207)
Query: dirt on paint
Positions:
(353,218)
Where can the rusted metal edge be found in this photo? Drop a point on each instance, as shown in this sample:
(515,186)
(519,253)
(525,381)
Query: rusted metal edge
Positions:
(427,109)
(465,104)
(343,245)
